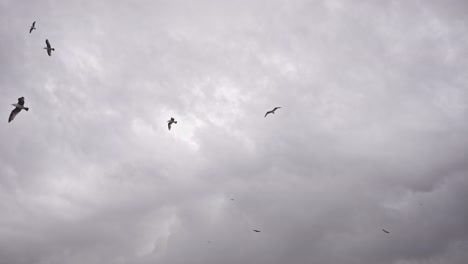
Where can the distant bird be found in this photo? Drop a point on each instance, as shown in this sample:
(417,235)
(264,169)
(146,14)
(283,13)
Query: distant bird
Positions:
(33,26)
(385,231)
(18,107)
(209,242)
(258,231)
(49,48)
(232,199)
(170,122)
(272,111)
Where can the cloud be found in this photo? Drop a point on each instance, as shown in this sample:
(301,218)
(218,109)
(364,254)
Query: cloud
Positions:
(371,133)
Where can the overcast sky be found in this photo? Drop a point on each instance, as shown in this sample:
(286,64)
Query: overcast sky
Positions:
(372,133)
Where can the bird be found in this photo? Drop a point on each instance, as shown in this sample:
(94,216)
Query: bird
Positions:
(33,26)
(255,230)
(49,48)
(169,123)
(18,107)
(209,242)
(232,199)
(385,231)
(272,111)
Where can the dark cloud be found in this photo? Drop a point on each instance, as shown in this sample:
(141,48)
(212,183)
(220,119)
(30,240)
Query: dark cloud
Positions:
(371,134)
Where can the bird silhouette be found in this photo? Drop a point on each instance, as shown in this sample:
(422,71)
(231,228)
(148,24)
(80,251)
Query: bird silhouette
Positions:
(18,107)
(255,230)
(32,27)
(385,231)
(272,111)
(170,122)
(49,48)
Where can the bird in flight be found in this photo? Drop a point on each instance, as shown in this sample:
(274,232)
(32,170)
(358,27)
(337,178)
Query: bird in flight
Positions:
(169,123)
(33,26)
(232,199)
(385,231)
(255,230)
(49,48)
(272,111)
(18,107)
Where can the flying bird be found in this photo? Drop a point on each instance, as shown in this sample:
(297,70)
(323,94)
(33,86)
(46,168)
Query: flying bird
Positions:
(232,199)
(49,48)
(18,107)
(169,123)
(33,26)
(385,231)
(272,111)
(255,230)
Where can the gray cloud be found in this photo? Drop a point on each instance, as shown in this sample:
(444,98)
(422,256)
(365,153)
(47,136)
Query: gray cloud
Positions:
(372,132)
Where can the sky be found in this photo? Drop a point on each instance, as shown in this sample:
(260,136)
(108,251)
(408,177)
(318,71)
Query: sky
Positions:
(372,133)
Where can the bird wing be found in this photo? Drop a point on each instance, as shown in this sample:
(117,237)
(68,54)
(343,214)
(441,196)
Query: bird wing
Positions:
(269,112)
(49,51)
(47,43)
(34,23)
(21,101)
(13,114)
(276,108)
(169,125)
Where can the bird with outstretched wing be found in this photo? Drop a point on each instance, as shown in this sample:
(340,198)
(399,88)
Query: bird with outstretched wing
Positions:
(18,107)
(49,47)
(33,26)
(170,122)
(272,111)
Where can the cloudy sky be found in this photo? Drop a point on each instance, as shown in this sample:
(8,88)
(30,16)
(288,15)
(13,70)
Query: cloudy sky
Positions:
(372,133)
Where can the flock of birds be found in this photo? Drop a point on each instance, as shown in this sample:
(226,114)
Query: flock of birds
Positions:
(20,105)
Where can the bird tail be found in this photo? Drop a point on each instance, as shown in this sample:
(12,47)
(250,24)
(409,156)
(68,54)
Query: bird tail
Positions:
(53,49)
(26,108)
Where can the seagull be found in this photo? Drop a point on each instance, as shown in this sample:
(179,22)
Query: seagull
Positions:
(49,48)
(385,231)
(258,231)
(169,123)
(18,107)
(32,27)
(272,111)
